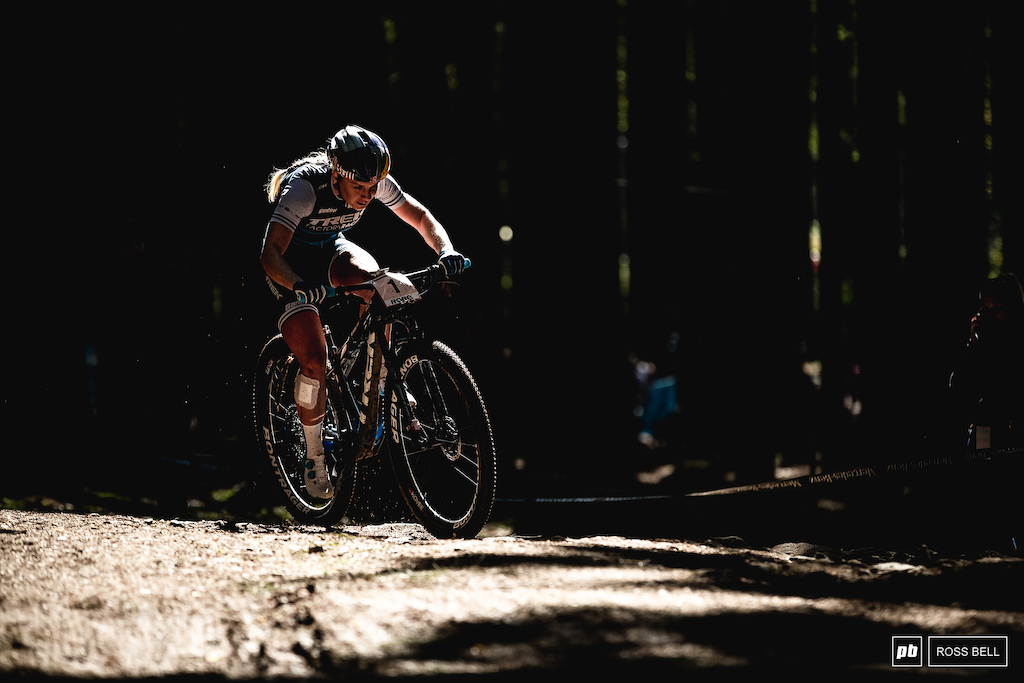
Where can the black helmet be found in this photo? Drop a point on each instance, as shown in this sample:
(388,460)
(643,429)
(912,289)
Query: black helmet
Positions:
(359,154)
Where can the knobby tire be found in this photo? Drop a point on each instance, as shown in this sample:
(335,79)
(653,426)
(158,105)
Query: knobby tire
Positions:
(446,466)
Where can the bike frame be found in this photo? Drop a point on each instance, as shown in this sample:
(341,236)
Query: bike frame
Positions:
(374,330)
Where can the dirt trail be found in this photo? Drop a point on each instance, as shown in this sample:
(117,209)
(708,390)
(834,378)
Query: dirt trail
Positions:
(104,595)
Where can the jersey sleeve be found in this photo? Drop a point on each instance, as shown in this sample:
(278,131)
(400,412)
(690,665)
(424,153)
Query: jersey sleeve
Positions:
(390,194)
(296,202)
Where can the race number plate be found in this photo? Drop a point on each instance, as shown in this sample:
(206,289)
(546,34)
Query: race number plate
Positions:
(395,289)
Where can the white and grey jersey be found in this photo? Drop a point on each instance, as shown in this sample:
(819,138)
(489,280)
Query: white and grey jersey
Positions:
(309,208)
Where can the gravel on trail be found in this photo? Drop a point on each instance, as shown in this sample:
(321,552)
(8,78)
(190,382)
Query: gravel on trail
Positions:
(86,595)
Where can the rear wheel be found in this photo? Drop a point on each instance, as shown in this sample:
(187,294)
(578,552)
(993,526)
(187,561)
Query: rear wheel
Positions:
(442,447)
(279,432)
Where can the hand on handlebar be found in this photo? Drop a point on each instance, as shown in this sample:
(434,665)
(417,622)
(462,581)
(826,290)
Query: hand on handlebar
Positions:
(453,262)
(310,292)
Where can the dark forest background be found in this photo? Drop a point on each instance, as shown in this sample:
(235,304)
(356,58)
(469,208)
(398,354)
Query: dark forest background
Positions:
(667,170)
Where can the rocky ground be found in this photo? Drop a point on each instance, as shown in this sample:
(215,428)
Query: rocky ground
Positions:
(114,596)
(103,586)
(109,595)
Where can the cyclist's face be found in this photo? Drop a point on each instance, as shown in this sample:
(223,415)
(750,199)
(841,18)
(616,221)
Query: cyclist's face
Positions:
(356,194)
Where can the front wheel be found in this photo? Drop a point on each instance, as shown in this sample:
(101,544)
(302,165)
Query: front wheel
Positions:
(279,432)
(442,447)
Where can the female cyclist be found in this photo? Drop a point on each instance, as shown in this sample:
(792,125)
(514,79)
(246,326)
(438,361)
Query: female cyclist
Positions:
(316,200)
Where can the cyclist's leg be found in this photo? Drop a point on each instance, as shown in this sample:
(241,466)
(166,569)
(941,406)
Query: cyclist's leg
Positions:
(352,265)
(304,334)
(303,331)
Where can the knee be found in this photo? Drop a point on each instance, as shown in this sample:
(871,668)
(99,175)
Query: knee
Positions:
(314,367)
(304,335)
(311,356)
(352,266)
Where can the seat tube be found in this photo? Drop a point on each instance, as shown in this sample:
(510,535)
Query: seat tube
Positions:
(368,373)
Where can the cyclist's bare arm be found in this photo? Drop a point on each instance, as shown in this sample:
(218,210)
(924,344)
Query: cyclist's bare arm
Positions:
(275,244)
(430,229)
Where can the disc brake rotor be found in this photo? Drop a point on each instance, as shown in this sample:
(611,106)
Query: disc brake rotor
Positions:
(448,438)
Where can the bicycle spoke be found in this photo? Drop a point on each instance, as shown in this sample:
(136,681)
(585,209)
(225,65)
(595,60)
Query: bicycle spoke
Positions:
(473,480)
(278,427)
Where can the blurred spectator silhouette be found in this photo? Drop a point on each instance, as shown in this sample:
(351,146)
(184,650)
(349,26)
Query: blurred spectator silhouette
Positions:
(988,383)
(656,402)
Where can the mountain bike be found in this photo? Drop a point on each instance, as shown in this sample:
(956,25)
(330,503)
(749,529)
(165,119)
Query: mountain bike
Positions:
(387,382)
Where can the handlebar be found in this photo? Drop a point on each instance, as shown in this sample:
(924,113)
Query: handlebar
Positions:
(430,275)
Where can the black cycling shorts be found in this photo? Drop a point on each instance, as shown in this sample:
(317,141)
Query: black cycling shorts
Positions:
(313,264)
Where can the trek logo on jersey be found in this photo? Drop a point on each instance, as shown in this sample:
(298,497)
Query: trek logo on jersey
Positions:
(332,223)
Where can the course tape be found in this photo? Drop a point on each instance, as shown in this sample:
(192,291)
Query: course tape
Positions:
(583,499)
(804,482)
(863,472)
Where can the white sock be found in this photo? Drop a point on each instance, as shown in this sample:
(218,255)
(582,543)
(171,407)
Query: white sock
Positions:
(314,440)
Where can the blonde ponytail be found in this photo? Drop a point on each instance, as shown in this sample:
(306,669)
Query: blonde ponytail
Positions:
(273,186)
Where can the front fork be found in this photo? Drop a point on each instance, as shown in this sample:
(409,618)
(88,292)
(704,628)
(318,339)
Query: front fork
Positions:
(400,415)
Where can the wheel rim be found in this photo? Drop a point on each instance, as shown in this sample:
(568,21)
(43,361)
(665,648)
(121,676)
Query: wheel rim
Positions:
(442,456)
